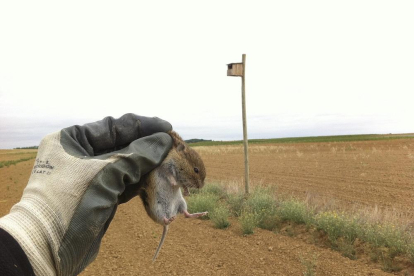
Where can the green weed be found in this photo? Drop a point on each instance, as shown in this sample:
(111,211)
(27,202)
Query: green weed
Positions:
(387,235)
(295,211)
(248,222)
(337,225)
(260,199)
(236,203)
(210,188)
(201,203)
(214,189)
(347,249)
(310,266)
(220,216)
(388,264)
(262,205)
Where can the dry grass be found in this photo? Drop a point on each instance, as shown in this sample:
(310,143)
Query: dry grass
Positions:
(308,150)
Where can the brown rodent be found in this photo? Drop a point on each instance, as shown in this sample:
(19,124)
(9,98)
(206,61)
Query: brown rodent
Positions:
(161,193)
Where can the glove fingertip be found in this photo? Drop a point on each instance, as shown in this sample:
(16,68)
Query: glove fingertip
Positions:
(153,125)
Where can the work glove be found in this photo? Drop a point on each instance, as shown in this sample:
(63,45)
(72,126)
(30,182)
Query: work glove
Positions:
(80,175)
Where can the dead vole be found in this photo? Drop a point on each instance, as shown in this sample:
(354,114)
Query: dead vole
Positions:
(161,193)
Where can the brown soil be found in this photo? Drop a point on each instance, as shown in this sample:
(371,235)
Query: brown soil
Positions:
(362,173)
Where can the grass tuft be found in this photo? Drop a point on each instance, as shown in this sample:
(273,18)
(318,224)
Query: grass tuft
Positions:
(386,240)
(387,263)
(338,225)
(248,222)
(262,205)
(387,235)
(201,203)
(211,188)
(310,266)
(220,216)
(295,211)
(346,248)
(236,203)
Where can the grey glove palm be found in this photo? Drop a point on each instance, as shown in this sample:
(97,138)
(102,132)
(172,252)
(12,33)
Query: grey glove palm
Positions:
(80,176)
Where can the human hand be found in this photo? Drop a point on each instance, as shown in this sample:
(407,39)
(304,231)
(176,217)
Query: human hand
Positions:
(80,175)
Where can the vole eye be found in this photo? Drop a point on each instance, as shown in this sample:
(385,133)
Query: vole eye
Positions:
(196,169)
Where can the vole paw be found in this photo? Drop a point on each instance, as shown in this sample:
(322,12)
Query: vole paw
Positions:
(195,215)
(168,221)
(186,191)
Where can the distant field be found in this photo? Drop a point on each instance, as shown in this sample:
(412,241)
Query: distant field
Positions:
(312,139)
(12,157)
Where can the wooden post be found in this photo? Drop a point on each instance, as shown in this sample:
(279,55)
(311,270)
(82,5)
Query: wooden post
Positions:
(239,70)
(245,142)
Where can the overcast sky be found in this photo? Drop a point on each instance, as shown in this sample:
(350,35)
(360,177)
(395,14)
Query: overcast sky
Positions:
(313,67)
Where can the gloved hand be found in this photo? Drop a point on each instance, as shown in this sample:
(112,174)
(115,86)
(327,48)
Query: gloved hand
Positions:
(80,175)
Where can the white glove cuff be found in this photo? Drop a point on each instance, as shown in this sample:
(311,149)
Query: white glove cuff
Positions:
(30,226)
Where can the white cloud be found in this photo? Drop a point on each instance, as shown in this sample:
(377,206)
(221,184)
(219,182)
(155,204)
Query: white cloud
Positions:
(307,62)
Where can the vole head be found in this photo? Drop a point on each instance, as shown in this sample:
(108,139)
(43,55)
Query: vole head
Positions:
(188,165)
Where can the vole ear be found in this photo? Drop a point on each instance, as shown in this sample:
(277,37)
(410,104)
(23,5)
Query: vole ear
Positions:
(180,147)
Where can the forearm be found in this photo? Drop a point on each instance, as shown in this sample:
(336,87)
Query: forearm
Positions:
(13,260)
(27,231)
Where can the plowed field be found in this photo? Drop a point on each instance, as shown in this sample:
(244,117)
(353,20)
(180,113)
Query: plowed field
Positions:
(349,174)
(345,173)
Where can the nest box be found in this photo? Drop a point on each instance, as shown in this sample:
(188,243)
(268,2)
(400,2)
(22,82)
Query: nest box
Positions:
(235,69)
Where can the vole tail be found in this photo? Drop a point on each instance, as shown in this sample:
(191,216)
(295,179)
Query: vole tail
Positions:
(164,234)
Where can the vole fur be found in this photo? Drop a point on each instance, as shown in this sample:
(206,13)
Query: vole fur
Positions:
(161,193)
